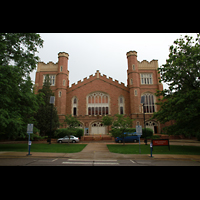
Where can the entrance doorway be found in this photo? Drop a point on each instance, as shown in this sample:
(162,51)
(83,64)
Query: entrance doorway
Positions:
(98,128)
(152,125)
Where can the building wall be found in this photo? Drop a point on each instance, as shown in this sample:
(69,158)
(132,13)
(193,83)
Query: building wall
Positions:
(100,83)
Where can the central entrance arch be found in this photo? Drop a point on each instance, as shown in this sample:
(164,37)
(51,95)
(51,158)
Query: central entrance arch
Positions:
(97,128)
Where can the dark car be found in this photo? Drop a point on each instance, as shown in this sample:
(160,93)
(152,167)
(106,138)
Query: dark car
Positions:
(129,137)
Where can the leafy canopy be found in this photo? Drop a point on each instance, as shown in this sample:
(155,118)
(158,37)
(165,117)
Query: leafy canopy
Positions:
(181,101)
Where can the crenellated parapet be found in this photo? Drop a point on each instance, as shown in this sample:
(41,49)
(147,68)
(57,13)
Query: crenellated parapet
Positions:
(97,76)
(148,65)
(49,67)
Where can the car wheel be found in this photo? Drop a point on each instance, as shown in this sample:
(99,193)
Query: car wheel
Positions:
(73,141)
(60,141)
(120,141)
(134,141)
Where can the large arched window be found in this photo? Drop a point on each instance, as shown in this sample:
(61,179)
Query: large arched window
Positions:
(121,105)
(74,106)
(98,104)
(149,105)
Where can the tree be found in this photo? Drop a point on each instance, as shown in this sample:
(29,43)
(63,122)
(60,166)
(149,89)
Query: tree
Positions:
(72,123)
(43,115)
(18,102)
(107,121)
(181,101)
(121,123)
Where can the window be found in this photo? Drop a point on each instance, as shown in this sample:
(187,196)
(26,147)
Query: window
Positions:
(133,66)
(135,91)
(59,93)
(149,105)
(52,79)
(98,104)
(131,81)
(121,105)
(74,106)
(146,79)
(61,68)
(64,82)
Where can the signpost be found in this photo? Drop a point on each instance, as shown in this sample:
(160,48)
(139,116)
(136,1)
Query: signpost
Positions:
(139,133)
(29,131)
(160,142)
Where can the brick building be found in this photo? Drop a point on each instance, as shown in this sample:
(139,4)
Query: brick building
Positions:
(98,95)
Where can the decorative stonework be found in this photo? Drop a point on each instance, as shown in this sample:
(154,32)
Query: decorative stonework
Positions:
(49,67)
(131,53)
(63,54)
(148,65)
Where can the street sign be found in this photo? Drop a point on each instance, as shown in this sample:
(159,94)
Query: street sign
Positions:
(138,130)
(30,128)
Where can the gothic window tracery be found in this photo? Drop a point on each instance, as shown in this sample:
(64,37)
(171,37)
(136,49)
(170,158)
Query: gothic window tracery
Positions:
(98,104)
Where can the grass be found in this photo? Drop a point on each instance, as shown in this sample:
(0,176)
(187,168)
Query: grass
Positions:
(53,148)
(145,149)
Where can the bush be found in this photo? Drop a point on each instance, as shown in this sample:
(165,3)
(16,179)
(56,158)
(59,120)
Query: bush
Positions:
(149,132)
(62,132)
(79,132)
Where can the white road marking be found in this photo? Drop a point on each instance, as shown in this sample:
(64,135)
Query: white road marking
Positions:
(98,163)
(132,161)
(92,160)
(80,163)
(54,160)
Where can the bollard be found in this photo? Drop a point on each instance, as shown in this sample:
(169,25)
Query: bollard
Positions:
(151,146)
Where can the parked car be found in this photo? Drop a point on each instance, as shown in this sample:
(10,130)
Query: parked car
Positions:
(66,139)
(130,137)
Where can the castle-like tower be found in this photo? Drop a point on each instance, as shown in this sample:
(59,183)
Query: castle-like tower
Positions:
(62,82)
(133,82)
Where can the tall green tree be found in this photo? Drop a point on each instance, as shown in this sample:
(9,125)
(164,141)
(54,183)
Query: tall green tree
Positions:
(181,101)
(120,124)
(43,115)
(18,102)
(107,121)
(72,123)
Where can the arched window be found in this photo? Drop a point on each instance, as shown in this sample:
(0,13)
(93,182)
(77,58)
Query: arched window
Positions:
(59,93)
(74,106)
(121,105)
(98,104)
(149,105)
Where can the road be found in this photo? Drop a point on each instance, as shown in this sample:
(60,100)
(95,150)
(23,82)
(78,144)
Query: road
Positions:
(88,162)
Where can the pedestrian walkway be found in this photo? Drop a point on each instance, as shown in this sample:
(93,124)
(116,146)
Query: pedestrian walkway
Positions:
(98,151)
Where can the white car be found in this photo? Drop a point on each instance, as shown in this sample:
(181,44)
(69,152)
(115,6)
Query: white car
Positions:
(72,139)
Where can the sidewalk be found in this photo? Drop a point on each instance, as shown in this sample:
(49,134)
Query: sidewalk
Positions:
(98,151)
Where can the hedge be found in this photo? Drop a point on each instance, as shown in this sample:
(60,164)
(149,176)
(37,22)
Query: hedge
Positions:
(149,132)
(62,132)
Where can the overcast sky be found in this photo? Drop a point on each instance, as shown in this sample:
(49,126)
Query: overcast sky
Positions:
(105,52)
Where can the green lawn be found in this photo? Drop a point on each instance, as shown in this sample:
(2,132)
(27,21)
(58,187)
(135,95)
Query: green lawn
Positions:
(145,149)
(53,148)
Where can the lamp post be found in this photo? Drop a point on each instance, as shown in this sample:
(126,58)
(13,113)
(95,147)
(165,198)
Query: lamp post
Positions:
(52,99)
(143,102)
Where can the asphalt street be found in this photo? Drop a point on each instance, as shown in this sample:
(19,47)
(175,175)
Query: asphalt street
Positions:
(89,162)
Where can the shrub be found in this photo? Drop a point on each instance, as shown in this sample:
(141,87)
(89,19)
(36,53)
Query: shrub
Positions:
(149,132)
(62,132)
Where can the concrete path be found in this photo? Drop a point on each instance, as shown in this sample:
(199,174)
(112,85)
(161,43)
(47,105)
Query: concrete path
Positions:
(99,151)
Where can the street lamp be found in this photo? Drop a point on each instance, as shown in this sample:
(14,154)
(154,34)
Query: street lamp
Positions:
(52,99)
(143,102)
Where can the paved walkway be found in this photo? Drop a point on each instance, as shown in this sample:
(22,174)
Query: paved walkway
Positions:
(99,151)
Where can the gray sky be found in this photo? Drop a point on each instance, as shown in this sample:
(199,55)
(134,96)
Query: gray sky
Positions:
(105,52)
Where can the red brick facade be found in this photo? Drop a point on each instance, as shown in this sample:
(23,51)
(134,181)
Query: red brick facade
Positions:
(142,79)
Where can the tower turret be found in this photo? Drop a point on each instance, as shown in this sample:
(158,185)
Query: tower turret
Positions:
(133,82)
(62,83)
